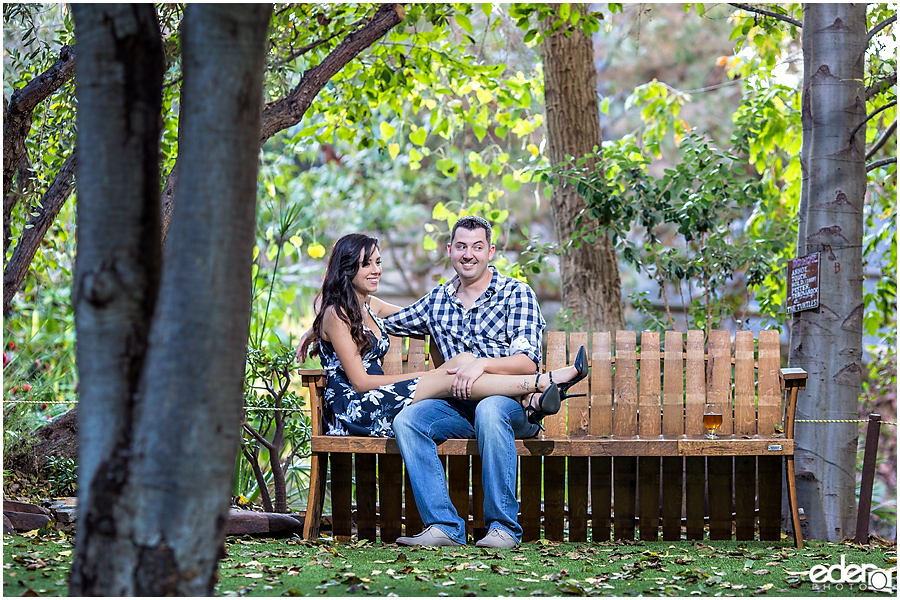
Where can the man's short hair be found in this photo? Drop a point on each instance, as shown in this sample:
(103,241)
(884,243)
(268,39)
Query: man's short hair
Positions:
(472,222)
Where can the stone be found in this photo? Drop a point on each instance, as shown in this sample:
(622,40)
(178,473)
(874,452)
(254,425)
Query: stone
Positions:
(23,521)
(8,528)
(24,507)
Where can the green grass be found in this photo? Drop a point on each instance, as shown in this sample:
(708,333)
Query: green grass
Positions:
(255,567)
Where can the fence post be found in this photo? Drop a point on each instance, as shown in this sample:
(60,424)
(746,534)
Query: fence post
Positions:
(868,479)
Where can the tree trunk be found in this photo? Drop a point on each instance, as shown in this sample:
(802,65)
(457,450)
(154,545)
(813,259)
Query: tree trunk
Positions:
(159,425)
(827,343)
(589,273)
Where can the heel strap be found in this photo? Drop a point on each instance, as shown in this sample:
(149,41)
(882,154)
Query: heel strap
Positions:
(537,378)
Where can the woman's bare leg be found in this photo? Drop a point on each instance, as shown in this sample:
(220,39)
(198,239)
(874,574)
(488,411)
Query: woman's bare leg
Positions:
(436,383)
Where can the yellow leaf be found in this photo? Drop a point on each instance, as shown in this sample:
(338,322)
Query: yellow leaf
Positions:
(316,250)
(393,150)
(533,149)
(484,96)
(387,130)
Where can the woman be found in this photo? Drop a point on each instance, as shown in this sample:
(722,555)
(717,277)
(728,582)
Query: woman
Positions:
(350,339)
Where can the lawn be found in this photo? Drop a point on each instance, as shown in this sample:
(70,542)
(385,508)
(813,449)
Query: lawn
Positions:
(38,564)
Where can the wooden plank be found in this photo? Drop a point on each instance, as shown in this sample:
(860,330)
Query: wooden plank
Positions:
(601,385)
(718,391)
(673,426)
(578,408)
(555,425)
(601,497)
(554,497)
(587,446)
(365,496)
(649,416)
(458,482)
(770,476)
(694,496)
(578,497)
(412,519)
(624,480)
(695,386)
(744,424)
(744,387)
(769,386)
(719,486)
(731,446)
(390,496)
(341,496)
(744,497)
(625,390)
(530,506)
(416,356)
(393,360)
(673,489)
(479,530)
(648,496)
(719,469)
(673,384)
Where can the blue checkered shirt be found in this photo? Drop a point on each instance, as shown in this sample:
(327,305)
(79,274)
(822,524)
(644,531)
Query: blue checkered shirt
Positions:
(504,321)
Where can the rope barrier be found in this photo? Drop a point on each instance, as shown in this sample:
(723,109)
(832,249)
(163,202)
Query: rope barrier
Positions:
(894,423)
(76,402)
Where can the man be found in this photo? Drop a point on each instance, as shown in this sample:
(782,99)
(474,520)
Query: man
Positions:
(497,319)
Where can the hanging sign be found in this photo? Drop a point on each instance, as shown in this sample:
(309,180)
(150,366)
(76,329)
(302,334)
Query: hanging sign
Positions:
(803,283)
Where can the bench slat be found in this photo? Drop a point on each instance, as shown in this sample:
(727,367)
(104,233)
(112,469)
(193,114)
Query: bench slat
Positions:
(390,496)
(555,425)
(579,421)
(769,386)
(695,392)
(744,424)
(601,385)
(365,495)
(673,385)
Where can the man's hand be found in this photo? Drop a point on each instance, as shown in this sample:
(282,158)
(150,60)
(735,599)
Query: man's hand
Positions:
(303,348)
(465,378)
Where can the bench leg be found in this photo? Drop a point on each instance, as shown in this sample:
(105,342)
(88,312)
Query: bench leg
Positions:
(316,499)
(792,502)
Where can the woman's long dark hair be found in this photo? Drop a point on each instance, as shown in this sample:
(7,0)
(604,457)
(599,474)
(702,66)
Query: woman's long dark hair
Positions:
(337,289)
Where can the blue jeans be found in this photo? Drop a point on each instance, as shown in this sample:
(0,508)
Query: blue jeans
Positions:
(495,422)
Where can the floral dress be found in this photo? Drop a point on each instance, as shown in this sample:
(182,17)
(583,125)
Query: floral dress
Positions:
(371,413)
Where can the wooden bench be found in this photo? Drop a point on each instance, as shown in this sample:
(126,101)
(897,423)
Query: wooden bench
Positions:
(629,454)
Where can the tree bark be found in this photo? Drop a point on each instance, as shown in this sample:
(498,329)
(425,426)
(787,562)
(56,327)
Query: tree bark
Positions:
(51,203)
(827,343)
(117,270)
(157,511)
(17,116)
(589,273)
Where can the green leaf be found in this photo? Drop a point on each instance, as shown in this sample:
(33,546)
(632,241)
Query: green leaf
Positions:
(418,136)
(464,22)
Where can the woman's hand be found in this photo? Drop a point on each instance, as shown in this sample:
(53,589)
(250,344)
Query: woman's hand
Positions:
(303,348)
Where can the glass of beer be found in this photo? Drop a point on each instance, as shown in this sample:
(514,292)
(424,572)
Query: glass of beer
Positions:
(712,421)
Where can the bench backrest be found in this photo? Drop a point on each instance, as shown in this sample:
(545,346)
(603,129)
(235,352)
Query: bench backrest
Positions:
(658,388)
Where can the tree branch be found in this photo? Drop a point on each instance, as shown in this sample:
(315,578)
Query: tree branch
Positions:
(879,27)
(37,226)
(880,163)
(869,117)
(19,113)
(768,13)
(881,141)
(880,85)
(290,110)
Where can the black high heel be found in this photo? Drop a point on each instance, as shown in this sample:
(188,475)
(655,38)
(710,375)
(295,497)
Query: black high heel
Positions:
(582,368)
(548,404)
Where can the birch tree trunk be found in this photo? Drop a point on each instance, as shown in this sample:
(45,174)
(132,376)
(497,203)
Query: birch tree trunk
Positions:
(828,343)
(589,273)
(155,492)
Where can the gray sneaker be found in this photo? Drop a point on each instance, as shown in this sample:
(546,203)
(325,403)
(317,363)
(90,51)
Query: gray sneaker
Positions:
(432,536)
(497,538)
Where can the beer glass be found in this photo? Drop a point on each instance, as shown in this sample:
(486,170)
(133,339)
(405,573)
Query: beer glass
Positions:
(712,421)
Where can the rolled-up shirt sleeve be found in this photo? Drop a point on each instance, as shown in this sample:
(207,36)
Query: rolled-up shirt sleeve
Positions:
(411,320)
(525,325)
